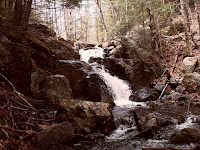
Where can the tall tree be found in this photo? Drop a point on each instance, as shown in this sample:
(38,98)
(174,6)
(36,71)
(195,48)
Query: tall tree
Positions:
(197,7)
(98,2)
(185,13)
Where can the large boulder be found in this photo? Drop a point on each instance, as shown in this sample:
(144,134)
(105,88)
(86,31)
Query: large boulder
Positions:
(86,116)
(56,87)
(15,63)
(148,125)
(98,90)
(188,65)
(57,134)
(61,49)
(186,136)
(137,72)
(44,37)
(76,73)
(191,82)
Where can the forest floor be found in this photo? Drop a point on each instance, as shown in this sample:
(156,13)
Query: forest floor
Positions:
(174,52)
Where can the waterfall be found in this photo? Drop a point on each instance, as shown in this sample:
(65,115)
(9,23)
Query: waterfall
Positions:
(120,89)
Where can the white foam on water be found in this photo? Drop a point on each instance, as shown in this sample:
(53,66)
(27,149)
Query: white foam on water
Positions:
(188,123)
(120,133)
(97,52)
(120,89)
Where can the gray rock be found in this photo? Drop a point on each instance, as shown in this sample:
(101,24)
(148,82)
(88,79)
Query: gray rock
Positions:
(57,88)
(188,65)
(88,117)
(144,94)
(191,82)
(76,73)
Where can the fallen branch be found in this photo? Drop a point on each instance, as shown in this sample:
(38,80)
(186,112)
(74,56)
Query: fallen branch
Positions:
(163,91)
(14,89)
(163,73)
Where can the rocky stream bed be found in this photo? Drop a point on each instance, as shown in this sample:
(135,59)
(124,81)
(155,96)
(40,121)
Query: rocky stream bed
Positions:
(108,97)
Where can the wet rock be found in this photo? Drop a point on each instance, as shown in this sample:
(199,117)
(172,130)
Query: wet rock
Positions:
(54,135)
(76,73)
(37,81)
(57,88)
(95,137)
(188,65)
(98,91)
(185,136)
(164,120)
(98,60)
(140,112)
(88,117)
(191,82)
(169,148)
(197,120)
(148,125)
(144,94)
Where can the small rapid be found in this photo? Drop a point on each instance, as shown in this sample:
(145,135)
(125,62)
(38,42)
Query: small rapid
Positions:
(126,134)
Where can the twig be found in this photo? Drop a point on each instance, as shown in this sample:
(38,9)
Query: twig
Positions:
(163,91)
(17,92)
(163,73)
(16,130)
(2,147)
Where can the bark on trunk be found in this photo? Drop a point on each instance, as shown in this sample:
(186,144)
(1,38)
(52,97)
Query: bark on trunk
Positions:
(186,24)
(154,35)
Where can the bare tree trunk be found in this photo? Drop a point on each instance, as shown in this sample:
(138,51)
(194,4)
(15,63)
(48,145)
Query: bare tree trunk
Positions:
(18,12)
(197,7)
(55,14)
(154,35)
(188,39)
(27,12)
(102,17)
(65,24)
(86,23)
(143,24)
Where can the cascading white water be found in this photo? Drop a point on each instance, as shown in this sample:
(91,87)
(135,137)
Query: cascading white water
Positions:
(120,90)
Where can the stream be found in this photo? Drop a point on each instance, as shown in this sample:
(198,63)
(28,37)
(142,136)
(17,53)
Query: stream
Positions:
(125,136)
